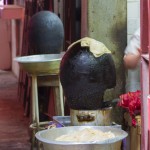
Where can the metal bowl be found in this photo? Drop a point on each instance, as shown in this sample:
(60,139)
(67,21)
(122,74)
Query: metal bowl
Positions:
(43,64)
(47,137)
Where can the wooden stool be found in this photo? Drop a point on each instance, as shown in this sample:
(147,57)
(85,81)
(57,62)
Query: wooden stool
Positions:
(46,80)
(44,71)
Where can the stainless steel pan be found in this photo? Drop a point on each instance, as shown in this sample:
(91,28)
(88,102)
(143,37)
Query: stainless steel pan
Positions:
(47,137)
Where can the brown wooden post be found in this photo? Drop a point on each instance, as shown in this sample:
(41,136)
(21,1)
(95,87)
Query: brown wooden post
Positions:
(84,21)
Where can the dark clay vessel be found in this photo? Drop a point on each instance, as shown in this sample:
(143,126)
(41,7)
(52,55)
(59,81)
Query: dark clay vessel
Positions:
(85,78)
(46,33)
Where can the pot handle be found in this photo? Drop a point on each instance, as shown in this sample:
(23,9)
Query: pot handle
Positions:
(85,117)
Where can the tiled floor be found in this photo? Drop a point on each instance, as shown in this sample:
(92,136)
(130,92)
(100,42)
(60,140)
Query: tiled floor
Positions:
(14,131)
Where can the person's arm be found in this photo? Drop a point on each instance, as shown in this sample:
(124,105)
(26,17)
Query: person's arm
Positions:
(131,60)
(132,51)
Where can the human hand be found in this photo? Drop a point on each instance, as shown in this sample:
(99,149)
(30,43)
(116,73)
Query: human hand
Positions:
(131,60)
(139,50)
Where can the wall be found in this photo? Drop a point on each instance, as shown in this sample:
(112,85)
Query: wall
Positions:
(11,39)
(5,45)
(107,22)
(133,17)
(16,39)
(19,2)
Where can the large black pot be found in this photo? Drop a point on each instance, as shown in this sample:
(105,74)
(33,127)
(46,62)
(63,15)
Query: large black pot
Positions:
(85,77)
(46,33)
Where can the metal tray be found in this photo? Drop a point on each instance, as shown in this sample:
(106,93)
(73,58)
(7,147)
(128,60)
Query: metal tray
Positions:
(62,120)
(66,121)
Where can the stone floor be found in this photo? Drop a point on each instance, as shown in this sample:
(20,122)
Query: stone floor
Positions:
(14,132)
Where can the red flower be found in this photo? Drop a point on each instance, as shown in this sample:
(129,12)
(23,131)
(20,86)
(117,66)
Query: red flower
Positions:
(131,101)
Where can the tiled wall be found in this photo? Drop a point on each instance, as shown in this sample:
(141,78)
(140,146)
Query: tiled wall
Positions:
(133,16)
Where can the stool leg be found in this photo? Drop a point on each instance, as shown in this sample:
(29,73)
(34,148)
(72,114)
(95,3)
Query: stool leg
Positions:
(35,99)
(59,101)
(35,108)
(61,98)
(33,114)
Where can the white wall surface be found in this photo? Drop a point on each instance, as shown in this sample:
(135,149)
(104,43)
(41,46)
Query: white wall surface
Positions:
(133,17)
